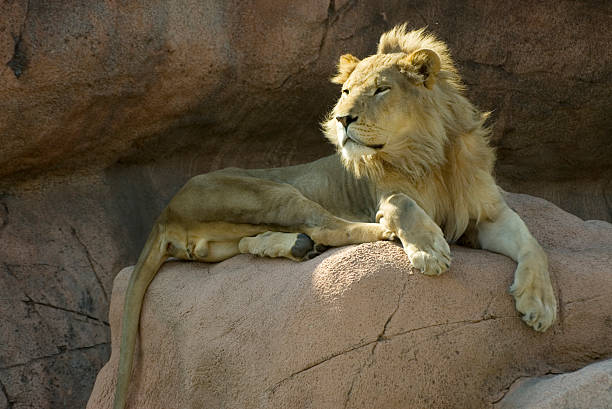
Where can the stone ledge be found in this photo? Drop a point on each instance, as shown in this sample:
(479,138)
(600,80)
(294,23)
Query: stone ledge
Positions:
(358,328)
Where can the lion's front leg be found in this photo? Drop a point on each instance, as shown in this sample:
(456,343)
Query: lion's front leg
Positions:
(421,237)
(532,290)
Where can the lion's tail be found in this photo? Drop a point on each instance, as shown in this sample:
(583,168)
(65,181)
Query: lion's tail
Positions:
(151,258)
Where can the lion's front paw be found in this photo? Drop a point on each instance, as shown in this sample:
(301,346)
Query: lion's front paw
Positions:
(535,299)
(431,259)
(385,232)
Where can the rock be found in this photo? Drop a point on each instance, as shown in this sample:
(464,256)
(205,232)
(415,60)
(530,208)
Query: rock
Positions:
(356,328)
(87,86)
(588,388)
(108,108)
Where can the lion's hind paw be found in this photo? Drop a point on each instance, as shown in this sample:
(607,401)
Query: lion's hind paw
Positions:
(305,249)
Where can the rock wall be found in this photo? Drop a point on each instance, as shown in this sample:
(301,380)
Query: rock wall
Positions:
(88,86)
(108,108)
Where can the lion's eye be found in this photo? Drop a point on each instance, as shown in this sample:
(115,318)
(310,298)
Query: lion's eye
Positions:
(345,91)
(380,90)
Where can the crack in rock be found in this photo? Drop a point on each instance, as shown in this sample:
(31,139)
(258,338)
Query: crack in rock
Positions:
(19,61)
(331,11)
(4,215)
(382,336)
(9,402)
(333,15)
(358,374)
(91,261)
(30,301)
(50,356)
(274,387)
(502,394)
(465,322)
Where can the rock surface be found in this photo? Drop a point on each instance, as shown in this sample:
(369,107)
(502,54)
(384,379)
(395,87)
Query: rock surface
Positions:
(108,108)
(355,328)
(87,86)
(588,388)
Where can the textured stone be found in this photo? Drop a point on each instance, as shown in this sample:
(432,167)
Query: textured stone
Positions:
(588,388)
(87,86)
(107,108)
(355,328)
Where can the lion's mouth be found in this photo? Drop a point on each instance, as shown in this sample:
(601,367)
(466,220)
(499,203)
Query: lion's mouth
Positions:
(346,138)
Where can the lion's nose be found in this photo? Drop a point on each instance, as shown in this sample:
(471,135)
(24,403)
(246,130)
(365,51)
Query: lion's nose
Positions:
(346,120)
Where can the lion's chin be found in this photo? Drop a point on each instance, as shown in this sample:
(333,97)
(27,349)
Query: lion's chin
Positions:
(352,151)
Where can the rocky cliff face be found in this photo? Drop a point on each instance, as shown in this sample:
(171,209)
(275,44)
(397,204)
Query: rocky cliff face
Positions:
(108,108)
(89,86)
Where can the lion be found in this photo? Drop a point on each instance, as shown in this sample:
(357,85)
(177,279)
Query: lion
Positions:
(413,164)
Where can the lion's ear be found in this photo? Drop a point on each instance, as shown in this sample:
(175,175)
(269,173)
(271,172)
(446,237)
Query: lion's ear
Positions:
(427,64)
(346,65)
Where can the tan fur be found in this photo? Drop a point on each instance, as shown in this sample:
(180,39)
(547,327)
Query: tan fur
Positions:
(413,163)
(441,158)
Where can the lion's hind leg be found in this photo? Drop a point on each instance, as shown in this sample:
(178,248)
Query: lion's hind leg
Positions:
(294,246)
(217,241)
(208,242)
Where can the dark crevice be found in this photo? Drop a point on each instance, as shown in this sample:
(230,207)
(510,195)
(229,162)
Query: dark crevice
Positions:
(44,357)
(382,336)
(19,61)
(9,402)
(604,189)
(4,215)
(331,10)
(464,322)
(273,388)
(333,15)
(357,375)
(90,260)
(30,301)
(505,390)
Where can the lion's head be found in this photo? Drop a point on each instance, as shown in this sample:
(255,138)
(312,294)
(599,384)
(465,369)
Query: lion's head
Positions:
(399,108)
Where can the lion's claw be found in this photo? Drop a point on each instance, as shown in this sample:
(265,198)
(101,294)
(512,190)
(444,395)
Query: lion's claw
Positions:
(536,303)
(431,260)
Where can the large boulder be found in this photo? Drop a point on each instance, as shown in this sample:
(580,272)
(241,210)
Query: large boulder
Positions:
(587,388)
(357,327)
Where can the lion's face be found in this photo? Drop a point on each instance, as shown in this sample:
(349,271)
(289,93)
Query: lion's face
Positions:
(387,113)
(371,110)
